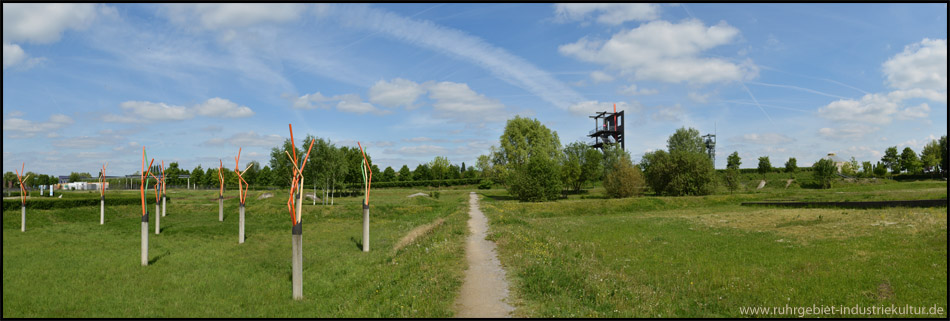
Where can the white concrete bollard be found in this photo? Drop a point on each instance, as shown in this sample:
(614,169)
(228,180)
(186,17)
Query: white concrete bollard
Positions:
(163,205)
(241,225)
(220,208)
(365,228)
(157,219)
(102,210)
(145,240)
(297,267)
(23,218)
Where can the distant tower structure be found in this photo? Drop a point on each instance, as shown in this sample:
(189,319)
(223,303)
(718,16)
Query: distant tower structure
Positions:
(710,142)
(608,128)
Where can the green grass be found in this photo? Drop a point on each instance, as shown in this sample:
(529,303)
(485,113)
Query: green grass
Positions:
(706,256)
(584,256)
(67,265)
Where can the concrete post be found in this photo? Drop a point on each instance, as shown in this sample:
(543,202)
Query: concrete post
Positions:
(102,210)
(145,239)
(220,208)
(163,205)
(297,265)
(23,218)
(241,226)
(157,218)
(365,228)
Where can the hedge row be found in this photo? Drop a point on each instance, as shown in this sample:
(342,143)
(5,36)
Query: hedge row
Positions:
(433,183)
(52,203)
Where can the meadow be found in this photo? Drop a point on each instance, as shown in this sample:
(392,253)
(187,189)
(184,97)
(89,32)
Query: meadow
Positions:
(707,256)
(67,265)
(583,256)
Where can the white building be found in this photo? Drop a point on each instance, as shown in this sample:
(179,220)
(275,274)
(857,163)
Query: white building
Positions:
(838,161)
(80,186)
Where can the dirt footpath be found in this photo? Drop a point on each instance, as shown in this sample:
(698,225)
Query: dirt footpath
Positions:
(484,292)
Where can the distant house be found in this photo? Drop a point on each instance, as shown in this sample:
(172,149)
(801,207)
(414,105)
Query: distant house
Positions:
(79,186)
(838,161)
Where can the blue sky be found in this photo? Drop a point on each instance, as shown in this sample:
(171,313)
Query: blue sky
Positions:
(88,83)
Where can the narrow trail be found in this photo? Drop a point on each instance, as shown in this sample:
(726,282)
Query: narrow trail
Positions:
(485,289)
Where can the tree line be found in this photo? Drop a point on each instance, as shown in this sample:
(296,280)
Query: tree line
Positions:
(531,164)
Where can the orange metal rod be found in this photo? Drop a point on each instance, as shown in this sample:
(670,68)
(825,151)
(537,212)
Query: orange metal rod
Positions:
(163,179)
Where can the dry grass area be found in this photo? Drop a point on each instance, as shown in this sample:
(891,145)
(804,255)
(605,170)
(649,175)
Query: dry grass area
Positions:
(808,224)
(415,233)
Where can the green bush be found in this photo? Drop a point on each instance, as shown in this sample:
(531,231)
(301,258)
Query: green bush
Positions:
(731,179)
(623,180)
(485,184)
(825,171)
(535,181)
(679,173)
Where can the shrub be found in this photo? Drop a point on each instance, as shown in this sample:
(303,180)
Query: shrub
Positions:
(679,173)
(825,171)
(623,180)
(485,184)
(731,179)
(535,181)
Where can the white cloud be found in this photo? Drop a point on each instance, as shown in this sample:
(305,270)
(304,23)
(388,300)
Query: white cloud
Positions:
(865,153)
(873,108)
(609,13)
(599,76)
(633,91)
(920,71)
(352,103)
(220,107)
(847,132)
(912,93)
(146,111)
(312,101)
(249,138)
(44,23)
(669,113)
(12,54)
(667,52)
(764,139)
(398,92)
(921,65)
(217,16)
(919,111)
(30,128)
(458,101)
(587,108)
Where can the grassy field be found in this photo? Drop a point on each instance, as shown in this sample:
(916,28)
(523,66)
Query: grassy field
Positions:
(584,256)
(67,265)
(707,256)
